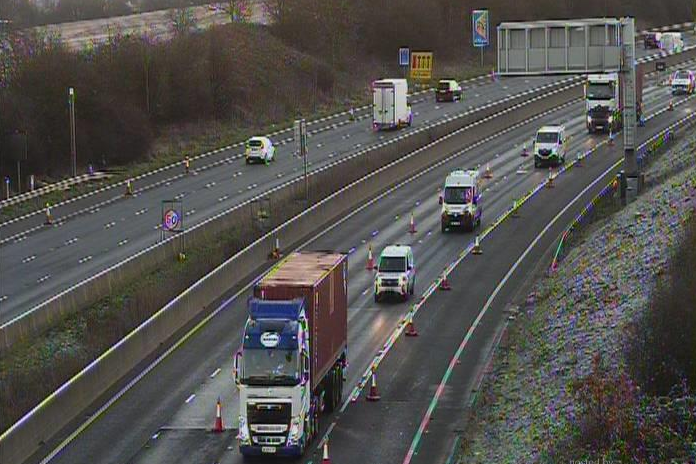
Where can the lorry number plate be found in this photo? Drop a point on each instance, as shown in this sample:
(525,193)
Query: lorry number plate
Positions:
(268,449)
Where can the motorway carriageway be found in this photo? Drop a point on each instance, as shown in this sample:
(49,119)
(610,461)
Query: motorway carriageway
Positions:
(165,416)
(106,228)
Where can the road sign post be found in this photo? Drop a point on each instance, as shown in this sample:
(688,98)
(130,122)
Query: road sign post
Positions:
(7,187)
(480,28)
(73,148)
(173,221)
(300,128)
(421,66)
(404,59)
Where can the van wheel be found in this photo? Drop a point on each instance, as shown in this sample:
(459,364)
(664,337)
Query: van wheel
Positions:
(443,228)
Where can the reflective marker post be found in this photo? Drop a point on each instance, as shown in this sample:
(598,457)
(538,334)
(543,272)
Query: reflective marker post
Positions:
(7,187)
(300,128)
(73,149)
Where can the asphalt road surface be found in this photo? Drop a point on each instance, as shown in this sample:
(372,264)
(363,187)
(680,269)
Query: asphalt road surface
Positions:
(94,233)
(166,416)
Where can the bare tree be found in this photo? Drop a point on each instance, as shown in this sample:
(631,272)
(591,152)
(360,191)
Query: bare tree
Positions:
(276,9)
(238,10)
(183,20)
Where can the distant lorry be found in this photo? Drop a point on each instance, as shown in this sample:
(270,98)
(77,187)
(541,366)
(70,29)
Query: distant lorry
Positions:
(651,40)
(292,362)
(671,42)
(461,200)
(390,108)
(604,101)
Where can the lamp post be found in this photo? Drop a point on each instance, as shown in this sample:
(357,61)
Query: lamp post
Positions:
(73,150)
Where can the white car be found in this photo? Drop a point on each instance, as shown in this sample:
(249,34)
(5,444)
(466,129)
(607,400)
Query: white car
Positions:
(396,272)
(683,82)
(259,149)
(550,145)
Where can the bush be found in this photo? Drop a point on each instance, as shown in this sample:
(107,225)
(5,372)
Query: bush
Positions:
(662,343)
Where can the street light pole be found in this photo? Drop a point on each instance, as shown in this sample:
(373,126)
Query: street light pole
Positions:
(73,149)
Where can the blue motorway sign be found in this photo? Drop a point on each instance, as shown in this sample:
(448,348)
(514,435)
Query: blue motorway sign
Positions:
(480,28)
(404,58)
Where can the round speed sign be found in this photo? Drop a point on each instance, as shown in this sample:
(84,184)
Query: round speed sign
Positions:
(171,219)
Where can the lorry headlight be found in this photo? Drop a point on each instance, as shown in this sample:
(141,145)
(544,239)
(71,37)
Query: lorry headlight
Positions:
(589,119)
(611,119)
(243,434)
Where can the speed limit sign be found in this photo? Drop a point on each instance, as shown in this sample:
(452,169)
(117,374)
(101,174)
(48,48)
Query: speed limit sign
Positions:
(171,220)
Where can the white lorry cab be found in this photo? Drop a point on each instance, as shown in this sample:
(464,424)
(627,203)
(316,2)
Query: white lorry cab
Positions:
(461,200)
(396,272)
(683,82)
(603,102)
(390,108)
(671,42)
(550,145)
(259,149)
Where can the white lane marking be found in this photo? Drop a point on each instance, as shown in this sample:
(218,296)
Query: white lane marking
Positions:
(43,279)
(142,211)
(71,241)
(190,398)
(3,298)
(29,258)
(109,225)
(124,241)
(216,372)
(85,259)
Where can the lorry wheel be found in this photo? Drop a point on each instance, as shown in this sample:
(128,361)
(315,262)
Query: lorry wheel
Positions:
(536,163)
(330,388)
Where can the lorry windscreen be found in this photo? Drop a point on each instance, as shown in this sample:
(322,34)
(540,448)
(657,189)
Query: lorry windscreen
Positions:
(392,264)
(458,195)
(547,137)
(270,367)
(681,75)
(600,91)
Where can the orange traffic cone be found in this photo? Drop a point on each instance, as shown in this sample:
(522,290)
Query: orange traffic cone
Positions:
(549,182)
(49,216)
(370,260)
(326,459)
(488,174)
(412,226)
(515,207)
(411,328)
(444,283)
(525,152)
(218,428)
(275,253)
(578,161)
(671,105)
(476,250)
(373,394)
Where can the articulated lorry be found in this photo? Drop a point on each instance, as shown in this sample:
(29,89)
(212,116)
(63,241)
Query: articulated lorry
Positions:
(390,108)
(292,362)
(604,101)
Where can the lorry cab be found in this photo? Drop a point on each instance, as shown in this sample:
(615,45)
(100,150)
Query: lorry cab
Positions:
(448,90)
(259,149)
(396,272)
(461,200)
(683,82)
(550,145)
(671,42)
(602,102)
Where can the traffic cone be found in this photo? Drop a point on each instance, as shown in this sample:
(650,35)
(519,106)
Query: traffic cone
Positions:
(525,152)
(578,161)
(370,260)
(515,206)
(275,253)
(444,283)
(611,137)
(488,174)
(411,328)
(549,182)
(129,188)
(477,247)
(412,226)
(218,428)
(373,394)
(326,459)
(49,216)
(351,113)
(671,105)
(493,75)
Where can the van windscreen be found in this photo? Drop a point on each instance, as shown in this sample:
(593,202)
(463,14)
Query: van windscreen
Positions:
(255,144)
(458,195)
(547,137)
(392,264)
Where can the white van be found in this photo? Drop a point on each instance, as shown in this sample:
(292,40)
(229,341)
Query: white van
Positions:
(671,42)
(461,200)
(550,145)
(390,108)
(259,149)
(396,272)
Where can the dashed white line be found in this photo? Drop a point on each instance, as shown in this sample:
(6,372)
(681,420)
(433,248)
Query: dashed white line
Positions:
(223,198)
(85,259)
(43,279)
(29,258)
(215,372)
(190,398)
(142,211)
(3,298)
(125,240)
(109,225)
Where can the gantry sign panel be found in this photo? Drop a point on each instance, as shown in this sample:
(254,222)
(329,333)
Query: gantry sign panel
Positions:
(559,47)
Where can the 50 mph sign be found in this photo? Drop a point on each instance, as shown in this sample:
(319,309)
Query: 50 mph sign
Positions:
(422,65)
(171,220)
